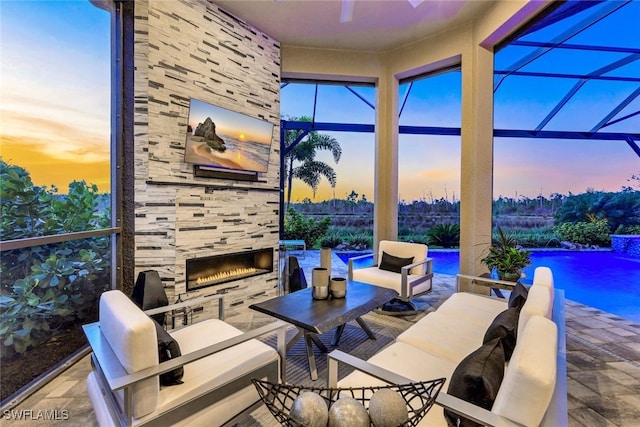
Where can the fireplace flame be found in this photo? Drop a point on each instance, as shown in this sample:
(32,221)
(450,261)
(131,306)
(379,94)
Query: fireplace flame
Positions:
(225,275)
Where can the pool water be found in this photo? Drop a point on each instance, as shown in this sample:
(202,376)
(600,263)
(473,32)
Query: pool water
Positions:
(606,280)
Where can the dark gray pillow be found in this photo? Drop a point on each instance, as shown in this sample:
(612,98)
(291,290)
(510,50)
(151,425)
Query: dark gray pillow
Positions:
(504,327)
(477,379)
(168,349)
(394,263)
(518,296)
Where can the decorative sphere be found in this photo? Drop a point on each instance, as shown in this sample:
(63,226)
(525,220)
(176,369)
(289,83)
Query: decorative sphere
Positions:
(348,412)
(387,409)
(310,409)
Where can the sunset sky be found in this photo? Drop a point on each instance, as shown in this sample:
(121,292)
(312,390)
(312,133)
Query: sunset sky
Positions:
(55,120)
(55,91)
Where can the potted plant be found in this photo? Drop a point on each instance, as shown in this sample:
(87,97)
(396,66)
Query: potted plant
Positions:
(507,257)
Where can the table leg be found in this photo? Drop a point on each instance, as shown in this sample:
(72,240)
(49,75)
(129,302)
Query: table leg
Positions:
(317,342)
(295,339)
(311,358)
(282,350)
(338,334)
(309,338)
(365,327)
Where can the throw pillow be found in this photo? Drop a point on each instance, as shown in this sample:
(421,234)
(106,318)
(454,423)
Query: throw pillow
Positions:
(477,379)
(394,263)
(168,349)
(518,296)
(504,327)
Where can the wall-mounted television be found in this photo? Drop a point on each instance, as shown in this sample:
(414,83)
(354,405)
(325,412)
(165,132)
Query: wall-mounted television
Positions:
(225,140)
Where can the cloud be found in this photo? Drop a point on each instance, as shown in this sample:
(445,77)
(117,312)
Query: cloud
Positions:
(55,139)
(46,170)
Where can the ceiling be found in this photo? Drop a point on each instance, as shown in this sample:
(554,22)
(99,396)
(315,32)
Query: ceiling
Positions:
(372,25)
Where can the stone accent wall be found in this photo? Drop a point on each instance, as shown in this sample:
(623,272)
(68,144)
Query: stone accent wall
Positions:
(193,49)
(628,244)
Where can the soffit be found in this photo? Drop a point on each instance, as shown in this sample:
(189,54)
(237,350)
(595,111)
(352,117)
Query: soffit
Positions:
(374,25)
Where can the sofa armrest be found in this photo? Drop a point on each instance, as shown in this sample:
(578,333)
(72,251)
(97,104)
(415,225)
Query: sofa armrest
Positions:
(452,403)
(557,412)
(117,378)
(189,303)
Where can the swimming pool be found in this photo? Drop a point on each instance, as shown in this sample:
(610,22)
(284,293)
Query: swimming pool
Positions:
(606,280)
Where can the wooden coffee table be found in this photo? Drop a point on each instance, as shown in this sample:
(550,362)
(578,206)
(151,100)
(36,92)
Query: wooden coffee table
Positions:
(313,317)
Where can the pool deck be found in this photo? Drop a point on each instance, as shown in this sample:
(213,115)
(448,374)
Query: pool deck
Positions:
(603,364)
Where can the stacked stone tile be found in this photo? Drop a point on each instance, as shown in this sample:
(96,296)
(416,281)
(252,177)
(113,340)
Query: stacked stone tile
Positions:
(187,50)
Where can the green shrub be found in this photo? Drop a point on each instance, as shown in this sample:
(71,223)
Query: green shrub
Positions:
(360,240)
(629,229)
(330,240)
(345,231)
(45,287)
(414,238)
(58,291)
(297,227)
(445,235)
(621,208)
(595,232)
(535,238)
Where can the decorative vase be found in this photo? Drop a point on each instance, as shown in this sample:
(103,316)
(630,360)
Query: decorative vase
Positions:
(320,292)
(320,283)
(325,259)
(338,287)
(509,276)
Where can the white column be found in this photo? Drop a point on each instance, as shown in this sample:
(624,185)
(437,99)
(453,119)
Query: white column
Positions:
(385,216)
(477,159)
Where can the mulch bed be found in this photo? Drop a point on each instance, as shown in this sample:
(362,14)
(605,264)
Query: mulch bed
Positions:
(22,369)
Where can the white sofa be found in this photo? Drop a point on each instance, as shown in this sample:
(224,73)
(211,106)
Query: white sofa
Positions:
(219,362)
(533,390)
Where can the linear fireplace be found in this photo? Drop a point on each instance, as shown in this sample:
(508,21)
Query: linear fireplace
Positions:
(218,269)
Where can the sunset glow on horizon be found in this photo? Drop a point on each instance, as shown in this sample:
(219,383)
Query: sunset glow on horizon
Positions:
(55,117)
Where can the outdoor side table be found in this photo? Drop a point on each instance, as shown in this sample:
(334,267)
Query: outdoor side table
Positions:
(495,285)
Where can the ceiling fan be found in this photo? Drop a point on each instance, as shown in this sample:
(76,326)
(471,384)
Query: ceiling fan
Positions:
(346,15)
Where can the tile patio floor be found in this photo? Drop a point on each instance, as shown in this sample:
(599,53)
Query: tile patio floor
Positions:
(603,366)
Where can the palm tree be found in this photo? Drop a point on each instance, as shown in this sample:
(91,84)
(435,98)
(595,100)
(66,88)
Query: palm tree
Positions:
(301,160)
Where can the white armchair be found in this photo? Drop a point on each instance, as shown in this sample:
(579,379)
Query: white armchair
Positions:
(219,362)
(414,278)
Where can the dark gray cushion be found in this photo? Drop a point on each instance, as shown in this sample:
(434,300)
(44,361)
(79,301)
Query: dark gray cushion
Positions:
(518,296)
(504,327)
(477,379)
(168,349)
(394,263)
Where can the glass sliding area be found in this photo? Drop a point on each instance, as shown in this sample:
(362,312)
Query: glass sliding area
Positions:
(567,147)
(329,175)
(567,99)
(429,159)
(57,227)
